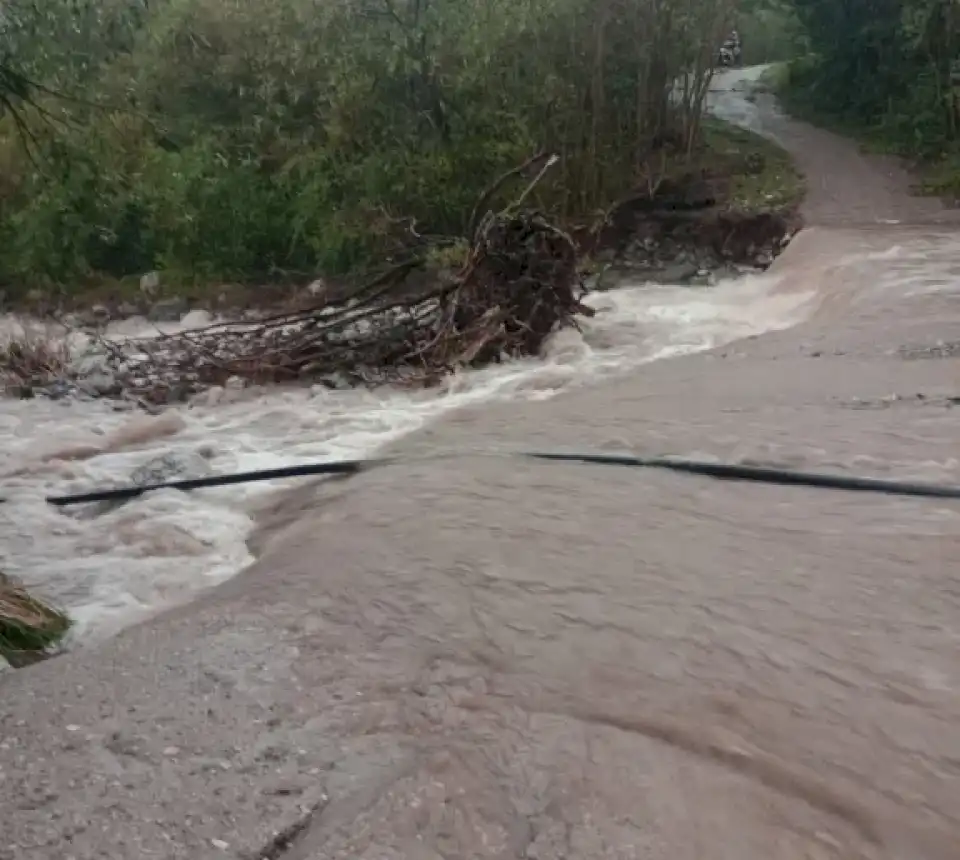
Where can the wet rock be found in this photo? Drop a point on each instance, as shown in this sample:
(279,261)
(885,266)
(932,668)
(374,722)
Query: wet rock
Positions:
(209,397)
(168,310)
(334,381)
(100,384)
(317,289)
(125,310)
(175,465)
(57,390)
(172,466)
(679,273)
(92,376)
(93,317)
(150,283)
(197,318)
(91,363)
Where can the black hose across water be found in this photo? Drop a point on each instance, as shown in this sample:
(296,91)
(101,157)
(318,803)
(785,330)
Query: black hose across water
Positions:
(721,471)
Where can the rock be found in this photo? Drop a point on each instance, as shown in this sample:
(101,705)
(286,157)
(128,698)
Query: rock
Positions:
(172,466)
(728,272)
(196,319)
(125,310)
(678,273)
(100,384)
(57,390)
(175,465)
(168,310)
(334,381)
(210,397)
(96,316)
(91,363)
(764,260)
(150,283)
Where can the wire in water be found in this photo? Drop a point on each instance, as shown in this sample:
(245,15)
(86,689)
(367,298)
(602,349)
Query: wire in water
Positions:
(720,471)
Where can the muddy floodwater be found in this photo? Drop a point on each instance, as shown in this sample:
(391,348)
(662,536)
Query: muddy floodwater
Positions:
(469,655)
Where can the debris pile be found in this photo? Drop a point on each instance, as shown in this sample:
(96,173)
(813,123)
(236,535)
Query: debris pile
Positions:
(518,285)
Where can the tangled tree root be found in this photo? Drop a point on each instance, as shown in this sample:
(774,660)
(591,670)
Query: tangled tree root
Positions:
(32,360)
(28,626)
(519,284)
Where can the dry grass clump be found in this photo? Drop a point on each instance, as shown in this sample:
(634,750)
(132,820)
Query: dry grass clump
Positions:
(28,626)
(30,360)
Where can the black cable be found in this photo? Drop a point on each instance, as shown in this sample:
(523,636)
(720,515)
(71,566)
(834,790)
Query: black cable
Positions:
(763,474)
(341,467)
(721,471)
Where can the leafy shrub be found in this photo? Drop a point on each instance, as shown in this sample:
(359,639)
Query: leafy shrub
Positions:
(226,138)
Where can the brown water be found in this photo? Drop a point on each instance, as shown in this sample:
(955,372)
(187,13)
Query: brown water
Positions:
(481,657)
(591,662)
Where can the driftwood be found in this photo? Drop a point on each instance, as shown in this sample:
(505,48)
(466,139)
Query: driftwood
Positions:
(519,283)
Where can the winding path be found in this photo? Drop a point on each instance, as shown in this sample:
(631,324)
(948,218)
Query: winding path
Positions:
(845,185)
(473,658)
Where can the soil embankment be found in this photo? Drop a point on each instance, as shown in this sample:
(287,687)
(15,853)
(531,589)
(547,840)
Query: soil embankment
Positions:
(478,657)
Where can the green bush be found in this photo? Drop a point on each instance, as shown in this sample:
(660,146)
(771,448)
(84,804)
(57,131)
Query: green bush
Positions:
(235,138)
(770,32)
(885,70)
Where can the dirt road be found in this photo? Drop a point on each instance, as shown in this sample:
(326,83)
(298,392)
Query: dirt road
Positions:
(476,657)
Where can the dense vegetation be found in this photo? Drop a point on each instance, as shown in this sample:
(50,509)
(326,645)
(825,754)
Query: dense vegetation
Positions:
(889,69)
(770,30)
(245,138)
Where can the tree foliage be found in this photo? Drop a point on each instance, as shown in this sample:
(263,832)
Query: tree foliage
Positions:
(890,66)
(221,138)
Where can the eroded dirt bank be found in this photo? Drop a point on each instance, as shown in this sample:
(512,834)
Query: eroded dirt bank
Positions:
(478,657)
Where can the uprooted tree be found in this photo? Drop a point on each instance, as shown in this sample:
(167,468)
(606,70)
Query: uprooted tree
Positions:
(518,283)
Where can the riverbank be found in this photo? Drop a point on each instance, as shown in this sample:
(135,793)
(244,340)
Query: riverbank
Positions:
(727,210)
